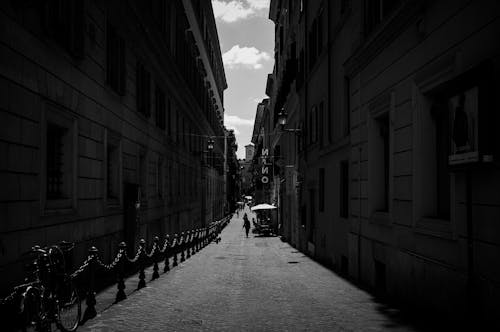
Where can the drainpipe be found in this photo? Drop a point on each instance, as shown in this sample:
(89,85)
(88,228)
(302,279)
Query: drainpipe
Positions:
(359,214)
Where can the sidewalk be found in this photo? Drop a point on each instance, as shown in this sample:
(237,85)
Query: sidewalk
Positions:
(254,284)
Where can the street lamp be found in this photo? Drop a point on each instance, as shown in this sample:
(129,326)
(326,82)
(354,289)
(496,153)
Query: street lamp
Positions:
(210,145)
(282,117)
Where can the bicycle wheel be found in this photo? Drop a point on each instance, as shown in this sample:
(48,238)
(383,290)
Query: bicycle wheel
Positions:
(69,307)
(31,309)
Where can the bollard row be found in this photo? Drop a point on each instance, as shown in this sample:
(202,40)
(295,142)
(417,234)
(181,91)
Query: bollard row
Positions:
(171,251)
(177,249)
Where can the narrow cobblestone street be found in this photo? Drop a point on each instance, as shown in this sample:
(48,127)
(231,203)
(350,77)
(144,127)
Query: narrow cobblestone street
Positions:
(248,284)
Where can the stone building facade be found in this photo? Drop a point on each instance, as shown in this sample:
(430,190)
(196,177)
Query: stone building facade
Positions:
(103,104)
(397,157)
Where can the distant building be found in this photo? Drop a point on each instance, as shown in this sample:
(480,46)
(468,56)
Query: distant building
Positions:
(249,152)
(105,103)
(393,178)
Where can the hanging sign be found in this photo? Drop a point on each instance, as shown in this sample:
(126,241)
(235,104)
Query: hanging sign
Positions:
(266,167)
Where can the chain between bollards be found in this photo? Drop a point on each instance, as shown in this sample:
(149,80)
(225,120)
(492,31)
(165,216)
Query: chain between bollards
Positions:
(186,245)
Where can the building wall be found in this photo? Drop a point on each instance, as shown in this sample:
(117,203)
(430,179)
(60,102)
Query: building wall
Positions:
(423,256)
(384,82)
(41,83)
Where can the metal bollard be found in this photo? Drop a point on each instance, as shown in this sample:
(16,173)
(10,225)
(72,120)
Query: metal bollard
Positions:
(181,246)
(188,244)
(120,295)
(166,268)
(194,242)
(175,244)
(156,248)
(90,311)
(142,263)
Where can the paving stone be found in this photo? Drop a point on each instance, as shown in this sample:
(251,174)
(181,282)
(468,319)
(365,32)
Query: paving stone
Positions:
(248,284)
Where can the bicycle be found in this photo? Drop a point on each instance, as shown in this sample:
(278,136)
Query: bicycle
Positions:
(52,296)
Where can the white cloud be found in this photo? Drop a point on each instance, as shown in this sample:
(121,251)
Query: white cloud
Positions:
(247,57)
(233,120)
(259,4)
(234,10)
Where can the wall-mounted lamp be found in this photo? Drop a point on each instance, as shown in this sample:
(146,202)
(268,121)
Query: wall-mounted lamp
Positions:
(282,117)
(210,144)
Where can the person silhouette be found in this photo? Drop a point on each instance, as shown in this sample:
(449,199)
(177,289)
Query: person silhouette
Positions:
(246,224)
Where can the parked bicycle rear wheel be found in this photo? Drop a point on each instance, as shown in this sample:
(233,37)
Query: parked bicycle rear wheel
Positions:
(69,308)
(31,309)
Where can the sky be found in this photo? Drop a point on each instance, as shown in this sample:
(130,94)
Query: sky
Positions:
(246,35)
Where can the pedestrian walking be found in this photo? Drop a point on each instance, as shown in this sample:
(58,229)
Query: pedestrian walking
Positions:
(246,224)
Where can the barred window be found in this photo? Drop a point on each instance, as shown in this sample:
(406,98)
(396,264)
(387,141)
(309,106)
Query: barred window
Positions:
(56,166)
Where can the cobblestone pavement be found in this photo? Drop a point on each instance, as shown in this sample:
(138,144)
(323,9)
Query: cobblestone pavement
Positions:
(248,284)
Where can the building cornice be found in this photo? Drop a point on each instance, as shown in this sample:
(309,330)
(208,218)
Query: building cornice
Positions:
(211,77)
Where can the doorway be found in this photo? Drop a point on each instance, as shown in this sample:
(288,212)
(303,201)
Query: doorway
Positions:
(130,196)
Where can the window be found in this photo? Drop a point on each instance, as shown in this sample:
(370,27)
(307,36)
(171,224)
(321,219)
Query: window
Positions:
(315,39)
(57,153)
(115,60)
(321,181)
(442,123)
(65,22)
(160,108)
(143,86)
(344,189)
(347,107)
(435,122)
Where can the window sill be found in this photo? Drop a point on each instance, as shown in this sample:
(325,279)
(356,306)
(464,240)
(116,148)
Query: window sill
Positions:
(383,218)
(435,227)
